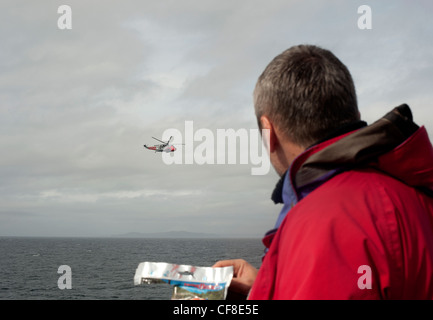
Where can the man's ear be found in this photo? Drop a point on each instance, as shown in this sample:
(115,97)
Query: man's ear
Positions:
(267,125)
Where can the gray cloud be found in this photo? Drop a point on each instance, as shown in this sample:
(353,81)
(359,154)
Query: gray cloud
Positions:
(77,105)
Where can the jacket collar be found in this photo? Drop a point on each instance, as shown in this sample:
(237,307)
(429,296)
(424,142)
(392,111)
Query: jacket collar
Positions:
(277,194)
(393,144)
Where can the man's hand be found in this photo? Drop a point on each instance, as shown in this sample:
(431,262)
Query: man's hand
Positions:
(244,275)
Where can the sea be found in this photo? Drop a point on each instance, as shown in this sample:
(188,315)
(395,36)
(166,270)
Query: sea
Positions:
(103,268)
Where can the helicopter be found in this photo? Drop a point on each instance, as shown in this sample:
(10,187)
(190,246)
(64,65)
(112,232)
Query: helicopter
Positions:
(165,146)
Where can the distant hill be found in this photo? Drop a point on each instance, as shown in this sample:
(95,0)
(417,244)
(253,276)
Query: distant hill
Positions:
(169,234)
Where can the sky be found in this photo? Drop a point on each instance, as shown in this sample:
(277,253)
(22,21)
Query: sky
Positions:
(77,105)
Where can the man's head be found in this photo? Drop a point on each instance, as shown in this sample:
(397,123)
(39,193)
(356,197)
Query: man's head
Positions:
(303,94)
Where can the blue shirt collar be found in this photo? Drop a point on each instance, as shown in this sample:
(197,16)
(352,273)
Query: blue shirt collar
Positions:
(288,196)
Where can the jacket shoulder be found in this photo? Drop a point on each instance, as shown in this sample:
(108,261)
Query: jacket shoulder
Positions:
(330,234)
(355,219)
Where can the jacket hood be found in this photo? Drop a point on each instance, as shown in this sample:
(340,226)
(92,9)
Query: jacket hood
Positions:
(393,144)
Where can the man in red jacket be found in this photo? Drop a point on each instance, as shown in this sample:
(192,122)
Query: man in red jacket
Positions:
(357,216)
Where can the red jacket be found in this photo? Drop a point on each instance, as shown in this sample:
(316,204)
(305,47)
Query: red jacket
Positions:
(365,230)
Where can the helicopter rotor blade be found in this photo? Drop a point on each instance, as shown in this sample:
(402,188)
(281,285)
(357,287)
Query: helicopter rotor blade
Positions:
(159,140)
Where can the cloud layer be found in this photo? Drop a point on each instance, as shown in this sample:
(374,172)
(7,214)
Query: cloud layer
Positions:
(77,105)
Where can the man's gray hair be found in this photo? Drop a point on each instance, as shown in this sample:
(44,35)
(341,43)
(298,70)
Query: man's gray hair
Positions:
(306,92)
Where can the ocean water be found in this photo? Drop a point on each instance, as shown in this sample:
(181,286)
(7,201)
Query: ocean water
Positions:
(104,268)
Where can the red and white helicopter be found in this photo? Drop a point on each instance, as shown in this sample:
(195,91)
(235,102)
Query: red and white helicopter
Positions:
(165,146)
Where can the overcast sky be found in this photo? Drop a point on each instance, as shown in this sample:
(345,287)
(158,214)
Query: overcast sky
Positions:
(76,106)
